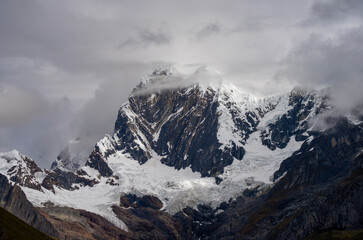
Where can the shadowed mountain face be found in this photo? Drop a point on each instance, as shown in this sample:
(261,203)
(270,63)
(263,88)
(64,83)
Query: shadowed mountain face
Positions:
(321,190)
(14,201)
(200,160)
(12,227)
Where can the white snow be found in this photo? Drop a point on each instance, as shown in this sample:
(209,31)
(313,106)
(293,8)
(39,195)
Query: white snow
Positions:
(227,132)
(39,176)
(259,161)
(9,160)
(97,199)
(281,108)
(14,160)
(354,120)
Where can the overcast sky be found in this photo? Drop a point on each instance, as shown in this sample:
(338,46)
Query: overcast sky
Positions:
(67,66)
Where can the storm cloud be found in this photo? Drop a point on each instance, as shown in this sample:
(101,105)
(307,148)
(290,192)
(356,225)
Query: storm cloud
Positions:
(67,66)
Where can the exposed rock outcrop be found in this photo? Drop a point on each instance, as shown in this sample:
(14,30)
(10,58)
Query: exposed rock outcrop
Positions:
(12,227)
(79,224)
(14,200)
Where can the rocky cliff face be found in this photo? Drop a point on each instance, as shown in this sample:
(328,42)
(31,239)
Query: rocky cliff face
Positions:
(14,200)
(321,190)
(11,227)
(22,170)
(295,121)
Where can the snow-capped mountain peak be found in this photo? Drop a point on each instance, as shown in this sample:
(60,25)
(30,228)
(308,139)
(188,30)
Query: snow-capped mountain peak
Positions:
(176,77)
(186,138)
(21,170)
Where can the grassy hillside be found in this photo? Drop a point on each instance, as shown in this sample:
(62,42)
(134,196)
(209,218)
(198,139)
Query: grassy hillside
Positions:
(337,235)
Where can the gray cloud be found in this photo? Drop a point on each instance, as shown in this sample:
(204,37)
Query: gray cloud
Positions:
(40,135)
(97,117)
(251,24)
(18,106)
(335,63)
(148,37)
(182,76)
(209,30)
(328,12)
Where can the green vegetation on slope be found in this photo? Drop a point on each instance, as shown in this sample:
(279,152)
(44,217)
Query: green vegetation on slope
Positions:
(12,227)
(337,235)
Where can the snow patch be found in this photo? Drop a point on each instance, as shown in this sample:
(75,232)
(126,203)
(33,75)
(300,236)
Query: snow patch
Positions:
(97,199)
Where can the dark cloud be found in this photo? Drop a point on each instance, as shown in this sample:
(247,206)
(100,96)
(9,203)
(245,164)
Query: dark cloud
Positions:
(328,12)
(209,30)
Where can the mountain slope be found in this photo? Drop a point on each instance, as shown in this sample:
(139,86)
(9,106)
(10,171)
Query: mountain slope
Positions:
(12,227)
(14,200)
(321,190)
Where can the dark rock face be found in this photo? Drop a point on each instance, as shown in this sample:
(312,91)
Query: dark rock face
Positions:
(145,220)
(338,207)
(146,201)
(66,179)
(96,161)
(79,224)
(14,200)
(183,130)
(199,223)
(328,157)
(149,223)
(294,122)
(150,202)
(128,200)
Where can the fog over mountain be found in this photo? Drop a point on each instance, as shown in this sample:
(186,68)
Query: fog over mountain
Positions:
(67,66)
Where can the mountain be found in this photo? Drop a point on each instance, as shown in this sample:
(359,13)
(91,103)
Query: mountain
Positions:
(205,126)
(193,157)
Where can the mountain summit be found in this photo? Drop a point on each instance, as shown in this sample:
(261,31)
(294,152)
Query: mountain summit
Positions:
(204,124)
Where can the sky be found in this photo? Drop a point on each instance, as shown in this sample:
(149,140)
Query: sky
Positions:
(67,66)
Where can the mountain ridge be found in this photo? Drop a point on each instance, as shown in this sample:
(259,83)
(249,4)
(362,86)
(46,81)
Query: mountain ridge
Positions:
(194,149)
